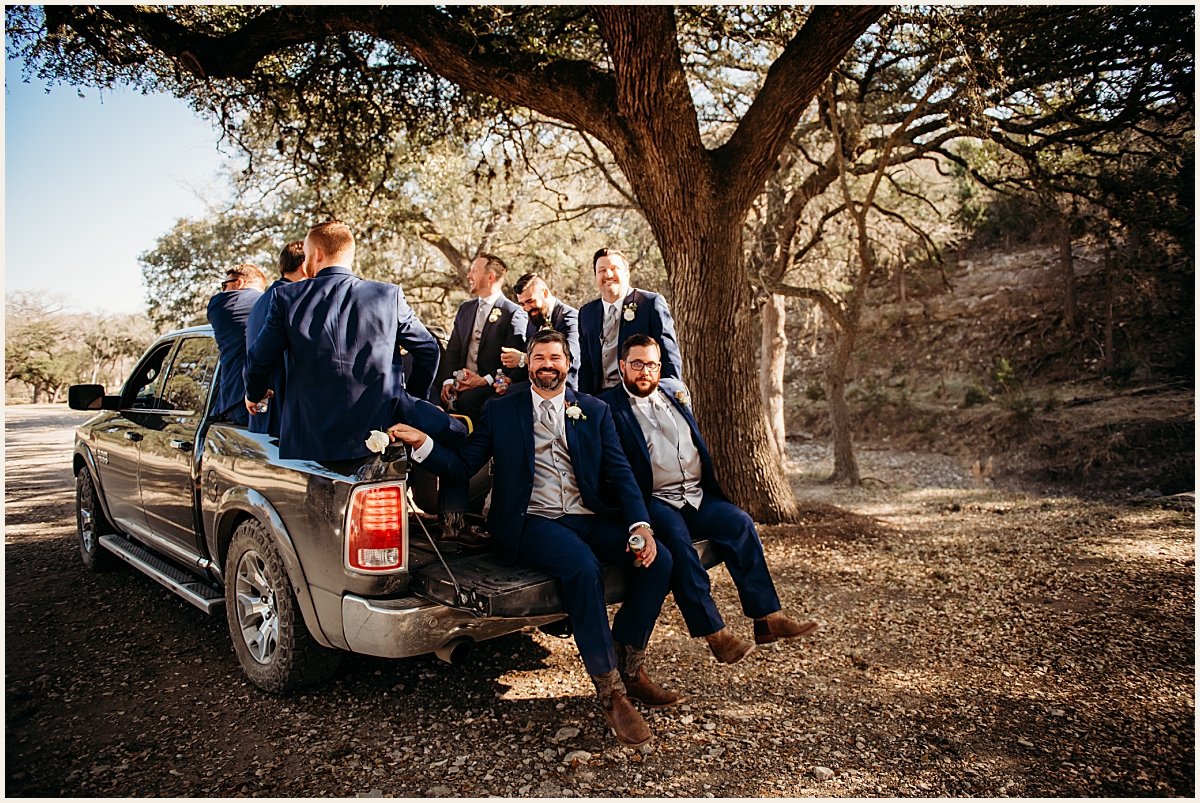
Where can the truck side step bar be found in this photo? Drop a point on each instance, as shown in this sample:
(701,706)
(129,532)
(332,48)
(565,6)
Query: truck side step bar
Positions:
(203,596)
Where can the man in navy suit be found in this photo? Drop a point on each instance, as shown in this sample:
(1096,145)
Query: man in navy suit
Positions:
(481,327)
(545,312)
(291,269)
(672,465)
(341,336)
(621,311)
(229,312)
(564,499)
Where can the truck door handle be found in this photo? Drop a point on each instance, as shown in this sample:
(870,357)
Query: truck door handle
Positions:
(183,446)
(133,436)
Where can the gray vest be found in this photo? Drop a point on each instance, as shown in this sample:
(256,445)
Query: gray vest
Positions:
(674,458)
(555,492)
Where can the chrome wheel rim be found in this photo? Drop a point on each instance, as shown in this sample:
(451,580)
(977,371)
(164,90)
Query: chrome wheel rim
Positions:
(258,620)
(87,523)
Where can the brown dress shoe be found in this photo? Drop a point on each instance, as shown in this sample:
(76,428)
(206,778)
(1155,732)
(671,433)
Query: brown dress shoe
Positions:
(638,686)
(728,648)
(626,723)
(775,626)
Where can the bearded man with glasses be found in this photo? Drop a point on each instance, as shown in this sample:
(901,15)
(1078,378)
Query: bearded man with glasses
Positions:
(672,466)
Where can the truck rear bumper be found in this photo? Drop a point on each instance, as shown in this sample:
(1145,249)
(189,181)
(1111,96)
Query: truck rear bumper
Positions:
(410,626)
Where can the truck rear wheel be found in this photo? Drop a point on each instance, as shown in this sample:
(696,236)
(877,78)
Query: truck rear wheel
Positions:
(91,523)
(272,642)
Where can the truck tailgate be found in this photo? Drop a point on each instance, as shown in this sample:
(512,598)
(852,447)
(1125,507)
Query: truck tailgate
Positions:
(487,588)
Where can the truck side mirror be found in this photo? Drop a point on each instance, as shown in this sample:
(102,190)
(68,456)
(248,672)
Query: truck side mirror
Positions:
(90,397)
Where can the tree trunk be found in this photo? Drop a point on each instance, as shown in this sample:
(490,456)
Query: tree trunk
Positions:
(711,305)
(845,466)
(1066,263)
(773,363)
(1109,323)
(812,329)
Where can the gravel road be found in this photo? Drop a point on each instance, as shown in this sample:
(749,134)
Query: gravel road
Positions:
(978,642)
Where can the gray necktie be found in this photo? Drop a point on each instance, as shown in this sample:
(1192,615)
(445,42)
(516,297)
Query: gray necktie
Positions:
(548,419)
(608,356)
(476,336)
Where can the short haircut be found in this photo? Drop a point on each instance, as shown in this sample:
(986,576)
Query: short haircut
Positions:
(635,341)
(291,258)
(525,281)
(608,252)
(550,336)
(251,273)
(495,264)
(332,237)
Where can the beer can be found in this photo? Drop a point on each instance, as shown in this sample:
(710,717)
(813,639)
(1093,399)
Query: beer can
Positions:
(636,543)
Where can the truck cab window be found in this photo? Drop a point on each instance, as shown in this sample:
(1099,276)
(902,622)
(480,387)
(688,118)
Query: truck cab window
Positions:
(190,376)
(142,388)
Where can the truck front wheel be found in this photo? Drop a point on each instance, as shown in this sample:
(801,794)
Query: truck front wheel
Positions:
(91,523)
(272,643)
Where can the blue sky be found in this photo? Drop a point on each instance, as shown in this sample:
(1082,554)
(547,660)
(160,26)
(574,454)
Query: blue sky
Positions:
(90,183)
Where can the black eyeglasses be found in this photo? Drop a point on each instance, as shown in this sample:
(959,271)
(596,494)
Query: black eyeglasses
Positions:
(640,366)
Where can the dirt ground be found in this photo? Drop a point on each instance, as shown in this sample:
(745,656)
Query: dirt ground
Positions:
(979,640)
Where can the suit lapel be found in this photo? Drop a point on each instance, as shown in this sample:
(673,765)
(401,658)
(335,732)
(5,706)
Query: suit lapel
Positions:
(525,419)
(465,322)
(574,444)
(623,407)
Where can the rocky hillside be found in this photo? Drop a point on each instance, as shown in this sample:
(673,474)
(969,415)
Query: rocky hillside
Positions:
(976,363)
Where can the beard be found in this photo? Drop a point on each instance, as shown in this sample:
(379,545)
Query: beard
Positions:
(647,387)
(548,379)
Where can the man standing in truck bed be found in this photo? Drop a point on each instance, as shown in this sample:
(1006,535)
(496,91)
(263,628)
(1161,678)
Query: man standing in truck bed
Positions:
(340,335)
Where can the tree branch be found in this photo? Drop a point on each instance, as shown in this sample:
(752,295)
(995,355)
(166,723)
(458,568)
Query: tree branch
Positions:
(746,159)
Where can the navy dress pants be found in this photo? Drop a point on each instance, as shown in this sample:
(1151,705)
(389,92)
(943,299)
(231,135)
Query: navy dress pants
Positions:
(732,531)
(570,549)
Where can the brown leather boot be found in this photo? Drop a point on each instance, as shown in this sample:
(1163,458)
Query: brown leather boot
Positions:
(728,648)
(775,626)
(626,723)
(638,686)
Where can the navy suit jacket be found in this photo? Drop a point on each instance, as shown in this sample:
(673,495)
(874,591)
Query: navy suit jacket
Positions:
(508,329)
(269,421)
(344,373)
(634,442)
(564,319)
(505,435)
(651,317)
(228,312)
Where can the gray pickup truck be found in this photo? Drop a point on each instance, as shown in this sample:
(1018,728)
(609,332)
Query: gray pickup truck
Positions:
(308,560)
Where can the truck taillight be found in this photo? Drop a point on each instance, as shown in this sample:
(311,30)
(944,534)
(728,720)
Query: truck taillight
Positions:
(377,530)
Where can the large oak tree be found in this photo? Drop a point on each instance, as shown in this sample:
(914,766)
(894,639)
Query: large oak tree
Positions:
(616,73)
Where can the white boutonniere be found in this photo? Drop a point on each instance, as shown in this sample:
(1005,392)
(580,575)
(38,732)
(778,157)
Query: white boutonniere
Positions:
(630,311)
(573,412)
(683,398)
(495,316)
(378,441)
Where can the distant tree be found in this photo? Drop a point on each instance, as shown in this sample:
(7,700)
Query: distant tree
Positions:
(112,343)
(185,268)
(36,350)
